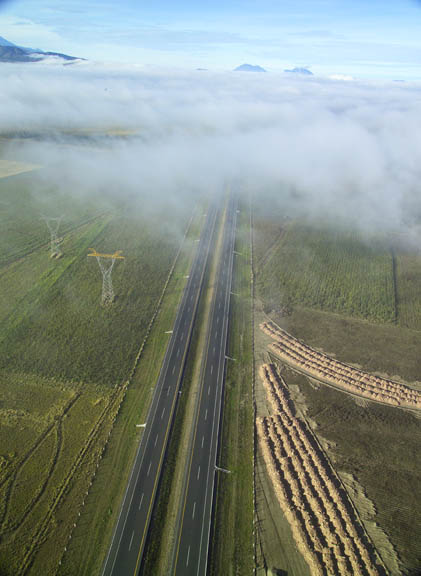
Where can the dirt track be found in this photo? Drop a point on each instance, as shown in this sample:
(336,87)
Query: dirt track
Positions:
(324,523)
(338,374)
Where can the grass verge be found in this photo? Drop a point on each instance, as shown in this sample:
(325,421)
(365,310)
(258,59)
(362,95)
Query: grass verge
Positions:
(232,538)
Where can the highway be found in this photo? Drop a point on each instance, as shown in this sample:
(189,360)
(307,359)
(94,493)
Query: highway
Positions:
(194,523)
(127,546)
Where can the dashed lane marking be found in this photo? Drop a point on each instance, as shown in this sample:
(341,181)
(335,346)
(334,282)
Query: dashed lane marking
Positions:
(131,540)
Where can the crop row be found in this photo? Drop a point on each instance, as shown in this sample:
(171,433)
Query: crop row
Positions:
(322,518)
(332,271)
(339,374)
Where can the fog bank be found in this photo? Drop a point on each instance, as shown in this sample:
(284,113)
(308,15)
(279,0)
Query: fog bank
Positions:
(350,151)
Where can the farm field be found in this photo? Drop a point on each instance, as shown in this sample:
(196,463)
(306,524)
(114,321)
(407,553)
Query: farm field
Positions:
(64,357)
(361,441)
(331,271)
(327,370)
(324,523)
(408,281)
(378,334)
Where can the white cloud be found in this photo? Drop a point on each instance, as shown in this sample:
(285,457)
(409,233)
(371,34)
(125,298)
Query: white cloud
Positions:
(347,150)
(26,32)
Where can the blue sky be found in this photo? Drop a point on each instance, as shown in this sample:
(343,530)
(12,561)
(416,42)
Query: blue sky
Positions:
(371,38)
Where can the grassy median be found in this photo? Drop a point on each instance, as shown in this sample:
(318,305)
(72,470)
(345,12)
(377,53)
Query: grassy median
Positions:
(232,537)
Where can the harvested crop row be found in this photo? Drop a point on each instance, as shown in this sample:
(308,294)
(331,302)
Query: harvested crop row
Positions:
(338,374)
(323,521)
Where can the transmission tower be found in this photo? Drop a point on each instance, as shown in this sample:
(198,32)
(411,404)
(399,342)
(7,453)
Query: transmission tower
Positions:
(107,284)
(53,225)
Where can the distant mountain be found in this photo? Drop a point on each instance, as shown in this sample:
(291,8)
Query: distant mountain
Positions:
(302,71)
(249,68)
(10,52)
(14,54)
(4,42)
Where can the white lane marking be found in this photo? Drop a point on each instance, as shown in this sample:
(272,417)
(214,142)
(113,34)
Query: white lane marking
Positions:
(131,540)
(203,439)
(141,500)
(168,391)
(219,305)
(173,370)
(194,509)
(149,468)
(198,473)
(156,440)
(188,556)
(216,333)
(209,391)
(212,369)
(206,414)
(163,412)
(178,352)
(191,297)
(188,309)
(217,320)
(214,349)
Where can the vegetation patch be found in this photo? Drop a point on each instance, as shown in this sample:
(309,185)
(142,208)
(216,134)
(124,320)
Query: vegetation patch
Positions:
(46,441)
(408,282)
(330,270)
(65,360)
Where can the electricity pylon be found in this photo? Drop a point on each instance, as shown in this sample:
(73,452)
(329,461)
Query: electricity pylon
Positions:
(107,284)
(53,225)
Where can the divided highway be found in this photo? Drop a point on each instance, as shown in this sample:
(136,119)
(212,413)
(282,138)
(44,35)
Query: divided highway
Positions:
(196,508)
(125,554)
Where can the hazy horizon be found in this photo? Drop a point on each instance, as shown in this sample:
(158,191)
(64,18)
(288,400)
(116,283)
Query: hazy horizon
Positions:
(352,38)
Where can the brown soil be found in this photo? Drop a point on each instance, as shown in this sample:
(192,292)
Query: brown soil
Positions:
(324,523)
(340,375)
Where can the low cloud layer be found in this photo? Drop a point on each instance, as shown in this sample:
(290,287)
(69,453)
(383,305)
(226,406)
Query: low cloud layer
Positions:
(350,151)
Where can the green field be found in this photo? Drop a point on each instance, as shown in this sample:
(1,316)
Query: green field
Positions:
(64,357)
(408,280)
(24,199)
(331,271)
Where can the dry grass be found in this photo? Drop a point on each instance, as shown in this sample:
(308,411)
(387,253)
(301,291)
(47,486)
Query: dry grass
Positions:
(339,374)
(324,523)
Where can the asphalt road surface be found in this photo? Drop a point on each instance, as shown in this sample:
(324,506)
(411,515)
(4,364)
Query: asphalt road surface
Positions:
(125,554)
(196,508)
